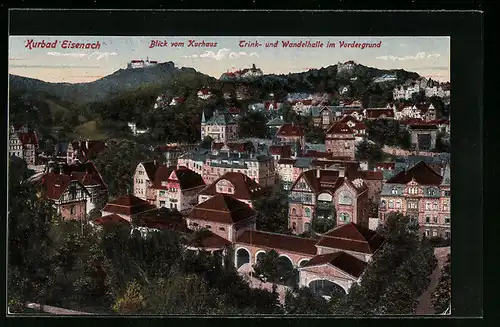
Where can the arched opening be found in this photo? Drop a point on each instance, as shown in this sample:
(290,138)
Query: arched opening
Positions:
(325,287)
(242,257)
(303,262)
(260,256)
(288,274)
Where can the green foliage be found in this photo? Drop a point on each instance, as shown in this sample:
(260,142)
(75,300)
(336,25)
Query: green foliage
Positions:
(388,132)
(442,144)
(132,301)
(305,302)
(441,296)
(272,212)
(117,164)
(322,225)
(397,275)
(275,269)
(253,124)
(206,143)
(368,151)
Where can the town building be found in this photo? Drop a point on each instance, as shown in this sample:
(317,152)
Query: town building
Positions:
(224,216)
(176,188)
(204,94)
(221,127)
(302,107)
(238,185)
(340,140)
(275,124)
(68,195)
(421,111)
(328,194)
(421,193)
(170,153)
(141,63)
(144,176)
(291,134)
(423,136)
(81,151)
(23,144)
(127,207)
(194,160)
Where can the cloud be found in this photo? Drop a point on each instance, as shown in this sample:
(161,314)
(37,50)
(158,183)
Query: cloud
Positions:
(222,54)
(96,54)
(418,56)
(234,55)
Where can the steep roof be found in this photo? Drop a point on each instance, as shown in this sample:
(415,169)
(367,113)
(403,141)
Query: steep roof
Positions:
(422,173)
(339,127)
(162,174)
(163,218)
(188,179)
(221,119)
(278,241)
(128,205)
(222,208)
(150,167)
(378,113)
(290,130)
(86,173)
(210,240)
(28,138)
(110,219)
(341,260)
(54,185)
(284,151)
(352,237)
(244,187)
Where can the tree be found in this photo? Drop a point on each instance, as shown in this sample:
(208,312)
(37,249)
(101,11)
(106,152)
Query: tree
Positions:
(206,143)
(442,145)
(253,124)
(132,301)
(441,296)
(272,212)
(369,151)
(117,164)
(275,269)
(323,225)
(305,302)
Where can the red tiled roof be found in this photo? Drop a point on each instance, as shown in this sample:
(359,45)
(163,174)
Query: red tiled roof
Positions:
(54,185)
(90,148)
(210,240)
(28,138)
(244,187)
(285,151)
(339,127)
(86,173)
(352,237)
(150,167)
(204,91)
(161,175)
(318,154)
(163,218)
(378,113)
(128,205)
(188,179)
(278,241)
(222,208)
(422,173)
(341,260)
(412,121)
(290,130)
(371,175)
(241,146)
(110,219)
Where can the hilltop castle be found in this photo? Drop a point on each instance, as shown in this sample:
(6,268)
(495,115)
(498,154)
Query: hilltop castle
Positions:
(141,63)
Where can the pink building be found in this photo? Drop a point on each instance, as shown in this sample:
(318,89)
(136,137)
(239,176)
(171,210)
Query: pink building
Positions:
(423,194)
(340,140)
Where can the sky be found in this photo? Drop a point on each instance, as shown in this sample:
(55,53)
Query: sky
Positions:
(428,56)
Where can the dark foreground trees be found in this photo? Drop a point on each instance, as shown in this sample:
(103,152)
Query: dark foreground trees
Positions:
(441,296)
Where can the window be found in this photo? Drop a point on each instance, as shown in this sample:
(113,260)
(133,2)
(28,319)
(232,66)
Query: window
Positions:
(435,205)
(294,226)
(346,145)
(307,212)
(391,204)
(427,219)
(307,226)
(431,191)
(434,233)
(208,226)
(445,206)
(412,205)
(435,219)
(162,204)
(398,204)
(447,220)
(345,198)
(162,193)
(427,233)
(447,193)
(447,234)
(194,224)
(222,228)
(427,205)
(394,191)
(72,210)
(344,217)
(294,212)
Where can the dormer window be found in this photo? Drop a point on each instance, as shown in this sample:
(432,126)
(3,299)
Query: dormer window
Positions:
(394,190)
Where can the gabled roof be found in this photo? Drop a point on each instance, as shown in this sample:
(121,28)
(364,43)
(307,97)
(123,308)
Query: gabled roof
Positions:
(28,138)
(86,173)
(285,151)
(352,237)
(244,188)
(210,241)
(111,219)
(128,205)
(278,241)
(150,167)
(163,218)
(339,127)
(222,208)
(341,260)
(290,130)
(162,174)
(221,119)
(422,173)
(378,113)
(54,185)
(186,178)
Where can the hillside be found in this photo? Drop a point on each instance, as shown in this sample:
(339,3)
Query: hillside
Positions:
(119,81)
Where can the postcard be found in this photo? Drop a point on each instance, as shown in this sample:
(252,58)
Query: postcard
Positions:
(161,175)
